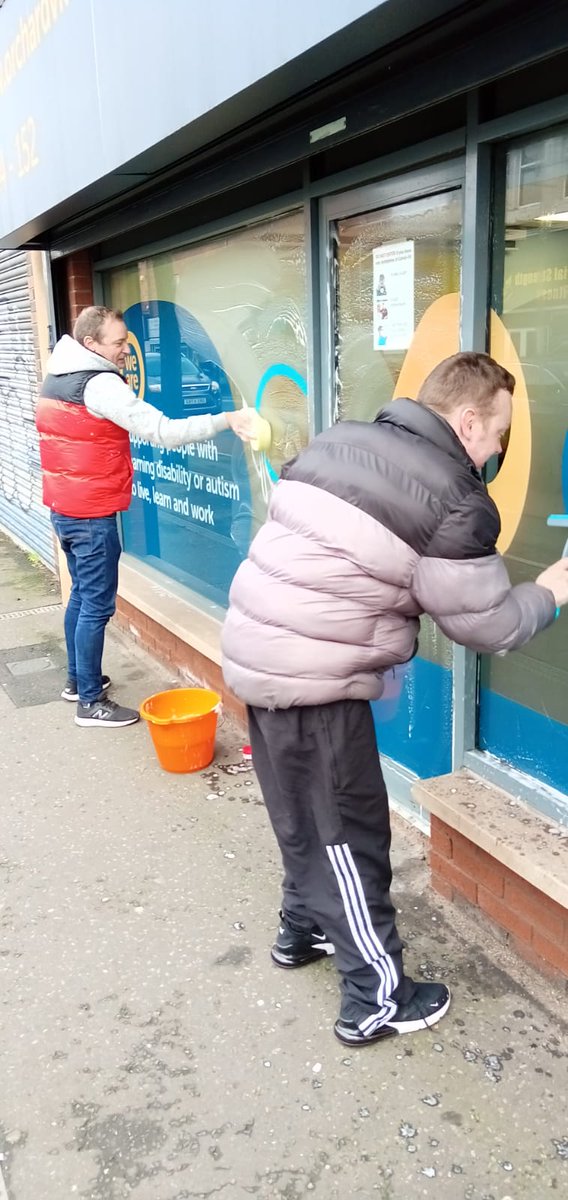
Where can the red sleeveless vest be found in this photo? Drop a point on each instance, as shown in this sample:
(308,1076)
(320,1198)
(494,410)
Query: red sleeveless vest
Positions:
(86,461)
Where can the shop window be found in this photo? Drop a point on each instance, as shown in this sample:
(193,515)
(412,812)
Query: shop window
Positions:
(530,173)
(523,715)
(213,326)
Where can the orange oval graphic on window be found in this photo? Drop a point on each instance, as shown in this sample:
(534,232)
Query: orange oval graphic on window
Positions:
(437,337)
(511,484)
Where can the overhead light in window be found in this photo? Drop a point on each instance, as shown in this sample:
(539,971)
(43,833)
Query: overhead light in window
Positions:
(560,218)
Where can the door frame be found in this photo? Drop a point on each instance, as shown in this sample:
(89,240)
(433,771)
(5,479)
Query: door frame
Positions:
(399,188)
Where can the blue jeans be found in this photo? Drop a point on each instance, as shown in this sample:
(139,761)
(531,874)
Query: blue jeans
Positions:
(92,548)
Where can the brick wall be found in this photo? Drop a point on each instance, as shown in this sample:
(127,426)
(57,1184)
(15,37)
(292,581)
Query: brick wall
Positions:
(79,281)
(183,659)
(536,926)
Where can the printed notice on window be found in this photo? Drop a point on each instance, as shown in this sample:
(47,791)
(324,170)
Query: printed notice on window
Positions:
(393,296)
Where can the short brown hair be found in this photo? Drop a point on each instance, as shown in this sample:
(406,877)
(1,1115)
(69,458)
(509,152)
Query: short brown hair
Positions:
(468,378)
(91,320)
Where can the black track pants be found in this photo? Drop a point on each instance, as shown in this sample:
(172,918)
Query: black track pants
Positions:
(322,784)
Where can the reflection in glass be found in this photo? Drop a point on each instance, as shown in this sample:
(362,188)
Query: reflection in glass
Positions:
(366,376)
(524,696)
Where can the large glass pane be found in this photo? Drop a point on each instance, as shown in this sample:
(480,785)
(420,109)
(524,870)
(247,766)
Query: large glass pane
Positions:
(524,696)
(397,283)
(212,326)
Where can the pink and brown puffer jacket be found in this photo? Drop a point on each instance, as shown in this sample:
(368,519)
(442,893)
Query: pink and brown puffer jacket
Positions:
(370,526)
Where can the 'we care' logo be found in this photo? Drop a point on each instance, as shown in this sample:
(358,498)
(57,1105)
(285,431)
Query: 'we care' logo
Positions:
(134,367)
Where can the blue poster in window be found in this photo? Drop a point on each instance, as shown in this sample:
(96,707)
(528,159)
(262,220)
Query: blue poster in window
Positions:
(191,508)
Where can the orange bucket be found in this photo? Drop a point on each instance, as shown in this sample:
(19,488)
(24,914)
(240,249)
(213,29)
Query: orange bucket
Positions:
(183,724)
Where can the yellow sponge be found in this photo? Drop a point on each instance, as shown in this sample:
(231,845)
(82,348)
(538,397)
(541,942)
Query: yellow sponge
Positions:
(262,433)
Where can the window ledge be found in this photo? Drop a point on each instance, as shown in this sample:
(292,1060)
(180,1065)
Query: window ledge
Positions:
(527,843)
(144,589)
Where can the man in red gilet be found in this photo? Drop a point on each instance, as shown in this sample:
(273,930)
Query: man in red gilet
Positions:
(85,415)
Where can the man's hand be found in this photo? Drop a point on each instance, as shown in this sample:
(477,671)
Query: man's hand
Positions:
(242,423)
(555,578)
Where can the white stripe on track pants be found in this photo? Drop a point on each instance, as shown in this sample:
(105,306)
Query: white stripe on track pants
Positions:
(320,775)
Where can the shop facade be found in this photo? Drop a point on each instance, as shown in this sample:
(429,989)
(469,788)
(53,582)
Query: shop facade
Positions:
(318,265)
(227,320)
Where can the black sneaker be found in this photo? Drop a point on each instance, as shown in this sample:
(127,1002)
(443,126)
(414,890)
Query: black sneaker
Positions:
(430,1002)
(295,948)
(105,712)
(70,690)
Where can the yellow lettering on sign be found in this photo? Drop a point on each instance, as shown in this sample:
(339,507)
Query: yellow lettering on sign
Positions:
(32,30)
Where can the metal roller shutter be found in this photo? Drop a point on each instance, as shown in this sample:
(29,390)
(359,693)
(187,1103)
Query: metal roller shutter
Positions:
(21,510)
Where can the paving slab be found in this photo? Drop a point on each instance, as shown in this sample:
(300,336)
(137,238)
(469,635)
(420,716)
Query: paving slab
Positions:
(150,1049)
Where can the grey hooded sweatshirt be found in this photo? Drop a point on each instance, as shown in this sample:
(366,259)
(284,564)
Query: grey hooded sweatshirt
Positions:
(369,527)
(107,395)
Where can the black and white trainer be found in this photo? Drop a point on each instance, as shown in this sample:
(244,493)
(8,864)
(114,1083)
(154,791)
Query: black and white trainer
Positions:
(70,690)
(297,947)
(103,713)
(428,1004)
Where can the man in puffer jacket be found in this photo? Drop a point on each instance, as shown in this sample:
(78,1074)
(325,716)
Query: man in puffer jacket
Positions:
(84,416)
(370,526)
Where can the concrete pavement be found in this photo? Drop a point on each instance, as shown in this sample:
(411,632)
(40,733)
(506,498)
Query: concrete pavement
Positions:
(150,1050)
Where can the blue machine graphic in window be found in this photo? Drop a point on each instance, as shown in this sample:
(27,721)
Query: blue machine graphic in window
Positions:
(191,508)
